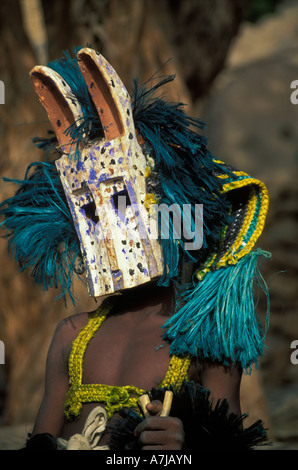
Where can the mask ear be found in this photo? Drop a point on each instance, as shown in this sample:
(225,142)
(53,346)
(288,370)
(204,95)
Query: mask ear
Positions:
(58,100)
(107,91)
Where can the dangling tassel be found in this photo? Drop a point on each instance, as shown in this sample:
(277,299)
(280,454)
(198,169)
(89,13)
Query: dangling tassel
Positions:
(216,319)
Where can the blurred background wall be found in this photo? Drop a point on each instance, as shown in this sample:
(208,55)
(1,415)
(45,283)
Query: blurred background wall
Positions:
(234,62)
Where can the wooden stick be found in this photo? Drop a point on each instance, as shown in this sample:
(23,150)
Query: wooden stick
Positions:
(167,403)
(166,407)
(144,400)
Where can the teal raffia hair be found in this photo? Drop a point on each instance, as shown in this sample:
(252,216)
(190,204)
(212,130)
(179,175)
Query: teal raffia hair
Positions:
(215,315)
(215,318)
(39,228)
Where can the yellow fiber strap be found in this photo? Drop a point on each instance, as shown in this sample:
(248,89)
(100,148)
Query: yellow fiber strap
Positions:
(177,371)
(75,364)
(113,397)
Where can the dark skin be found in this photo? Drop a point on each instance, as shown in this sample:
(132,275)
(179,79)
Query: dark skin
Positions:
(123,352)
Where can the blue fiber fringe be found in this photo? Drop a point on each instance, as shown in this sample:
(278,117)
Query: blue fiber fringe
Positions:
(216,319)
(39,228)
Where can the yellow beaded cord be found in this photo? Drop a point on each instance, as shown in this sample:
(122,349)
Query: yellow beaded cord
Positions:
(232,254)
(231,257)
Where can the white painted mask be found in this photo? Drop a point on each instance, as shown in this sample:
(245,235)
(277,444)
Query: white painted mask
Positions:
(106,186)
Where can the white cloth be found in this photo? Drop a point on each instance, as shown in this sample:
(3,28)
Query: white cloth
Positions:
(94,427)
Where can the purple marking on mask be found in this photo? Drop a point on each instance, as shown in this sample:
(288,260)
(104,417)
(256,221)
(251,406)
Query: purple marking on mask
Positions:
(92,156)
(88,231)
(92,260)
(111,152)
(127,122)
(131,192)
(92,175)
(120,160)
(110,70)
(80,166)
(103,177)
(123,101)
